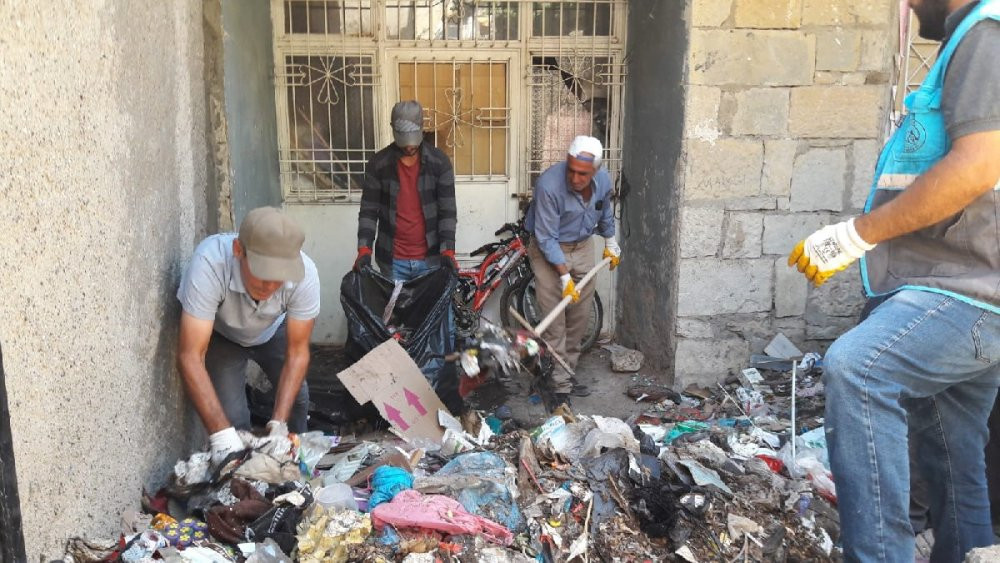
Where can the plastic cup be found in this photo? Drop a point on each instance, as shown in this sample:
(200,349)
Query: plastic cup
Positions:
(338,495)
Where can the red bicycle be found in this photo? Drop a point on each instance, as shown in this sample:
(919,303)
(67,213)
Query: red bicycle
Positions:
(505,260)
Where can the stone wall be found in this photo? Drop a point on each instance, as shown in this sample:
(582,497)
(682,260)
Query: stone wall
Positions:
(647,277)
(787,102)
(103,163)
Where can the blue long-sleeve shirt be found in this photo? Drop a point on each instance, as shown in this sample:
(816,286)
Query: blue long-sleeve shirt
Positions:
(558,214)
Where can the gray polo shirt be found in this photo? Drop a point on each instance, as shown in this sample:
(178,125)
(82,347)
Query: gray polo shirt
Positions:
(212,289)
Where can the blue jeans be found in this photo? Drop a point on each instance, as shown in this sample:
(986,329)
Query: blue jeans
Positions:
(927,365)
(226,362)
(406,270)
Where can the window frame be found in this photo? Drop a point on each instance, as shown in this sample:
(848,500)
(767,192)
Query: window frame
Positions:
(384,51)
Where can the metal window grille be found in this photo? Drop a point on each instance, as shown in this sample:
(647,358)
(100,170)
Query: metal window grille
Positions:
(918,56)
(458,21)
(332,58)
(466,112)
(329,105)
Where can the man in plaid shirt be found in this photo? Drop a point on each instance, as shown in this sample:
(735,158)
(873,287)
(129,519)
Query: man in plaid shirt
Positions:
(408,202)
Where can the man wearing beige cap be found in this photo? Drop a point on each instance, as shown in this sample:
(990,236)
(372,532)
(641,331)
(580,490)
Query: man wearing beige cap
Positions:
(248,296)
(572,202)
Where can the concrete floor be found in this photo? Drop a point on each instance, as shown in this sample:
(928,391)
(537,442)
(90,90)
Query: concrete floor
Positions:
(607,389)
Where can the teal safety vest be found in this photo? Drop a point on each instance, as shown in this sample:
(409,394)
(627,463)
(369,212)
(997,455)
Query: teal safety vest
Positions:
(959,256)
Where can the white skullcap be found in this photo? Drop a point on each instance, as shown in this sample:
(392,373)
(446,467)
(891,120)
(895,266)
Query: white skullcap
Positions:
(590,145)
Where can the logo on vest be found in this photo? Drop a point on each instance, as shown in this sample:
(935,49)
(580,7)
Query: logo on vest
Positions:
(916,136)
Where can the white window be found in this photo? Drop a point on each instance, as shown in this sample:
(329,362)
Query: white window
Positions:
(505,86)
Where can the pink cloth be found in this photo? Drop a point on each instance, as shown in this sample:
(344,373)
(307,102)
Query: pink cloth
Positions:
(411,509)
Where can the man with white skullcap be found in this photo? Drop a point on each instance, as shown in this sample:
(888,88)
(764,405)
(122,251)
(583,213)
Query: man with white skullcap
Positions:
(572,202)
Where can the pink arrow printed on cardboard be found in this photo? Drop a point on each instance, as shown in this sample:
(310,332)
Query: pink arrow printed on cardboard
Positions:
(394,415)
(414,401)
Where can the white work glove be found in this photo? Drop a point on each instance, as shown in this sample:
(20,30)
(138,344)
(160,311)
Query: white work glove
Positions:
(569,288)
(612,251)
(828,251)
(223,443)
(277,442)
(277,428)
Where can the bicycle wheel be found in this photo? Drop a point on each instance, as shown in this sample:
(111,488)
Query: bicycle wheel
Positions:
(522,296)
(511,297)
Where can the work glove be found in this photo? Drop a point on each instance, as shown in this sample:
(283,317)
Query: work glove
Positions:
(277,428)
(612,251)
(448,258)
(828,251)
(569,288)
(364,258)
(223,443)
(277,441)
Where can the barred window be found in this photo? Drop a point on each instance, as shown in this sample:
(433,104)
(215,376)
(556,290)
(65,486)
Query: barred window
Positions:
(505,86)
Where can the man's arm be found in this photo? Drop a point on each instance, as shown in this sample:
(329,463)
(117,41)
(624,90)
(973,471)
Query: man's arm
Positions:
(547,230)
(969,170)
(368,212)
(296,364)
(447,208)
(194,337)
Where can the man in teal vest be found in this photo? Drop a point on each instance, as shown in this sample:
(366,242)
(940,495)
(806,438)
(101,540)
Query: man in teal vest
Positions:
(930,353)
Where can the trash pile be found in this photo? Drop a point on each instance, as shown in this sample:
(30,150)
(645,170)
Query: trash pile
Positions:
(701,475)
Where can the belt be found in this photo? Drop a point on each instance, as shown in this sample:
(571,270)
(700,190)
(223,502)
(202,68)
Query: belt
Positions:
(573,245)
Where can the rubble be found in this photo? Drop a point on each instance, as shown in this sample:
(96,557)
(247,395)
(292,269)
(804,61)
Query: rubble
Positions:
(624,360)
(701,475)
(984,555)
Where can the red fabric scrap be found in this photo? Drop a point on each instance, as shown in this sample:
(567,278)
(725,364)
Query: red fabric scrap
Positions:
(774,463)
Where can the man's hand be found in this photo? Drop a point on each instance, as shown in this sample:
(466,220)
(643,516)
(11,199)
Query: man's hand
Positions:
(277,441)
(448,258)
(569,288)
(612,251)
(223,443)
(828,251)
(364,258)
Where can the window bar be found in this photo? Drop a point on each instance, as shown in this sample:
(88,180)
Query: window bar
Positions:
(399,25)
(434,93)
(331,60)
(490,141)
(461,20)
(444,21)
(364,127)
(472,107)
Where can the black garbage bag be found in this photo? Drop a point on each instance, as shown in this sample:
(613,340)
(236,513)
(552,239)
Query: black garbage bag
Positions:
(419,320)
(280,522)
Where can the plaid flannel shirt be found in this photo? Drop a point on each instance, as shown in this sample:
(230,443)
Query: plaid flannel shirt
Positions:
(436,187)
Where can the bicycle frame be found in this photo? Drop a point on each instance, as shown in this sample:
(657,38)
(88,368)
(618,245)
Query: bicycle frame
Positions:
(491,272)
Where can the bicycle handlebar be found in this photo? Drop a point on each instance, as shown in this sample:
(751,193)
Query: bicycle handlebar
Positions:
(507,227)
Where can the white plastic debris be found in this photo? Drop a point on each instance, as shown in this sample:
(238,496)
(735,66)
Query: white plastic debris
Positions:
(738,525)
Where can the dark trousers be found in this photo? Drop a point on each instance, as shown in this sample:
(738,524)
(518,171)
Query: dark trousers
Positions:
(226,362)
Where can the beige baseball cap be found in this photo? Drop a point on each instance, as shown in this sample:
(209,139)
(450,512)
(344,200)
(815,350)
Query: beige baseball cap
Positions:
(273,244)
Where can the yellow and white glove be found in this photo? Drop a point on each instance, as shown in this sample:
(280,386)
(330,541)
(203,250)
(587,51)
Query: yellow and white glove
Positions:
(569,288)
(828,251)
(612,251)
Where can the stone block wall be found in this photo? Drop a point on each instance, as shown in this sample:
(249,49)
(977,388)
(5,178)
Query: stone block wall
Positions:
(787,103)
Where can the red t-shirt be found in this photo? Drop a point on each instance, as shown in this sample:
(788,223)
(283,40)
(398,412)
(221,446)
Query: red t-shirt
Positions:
(410,242)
